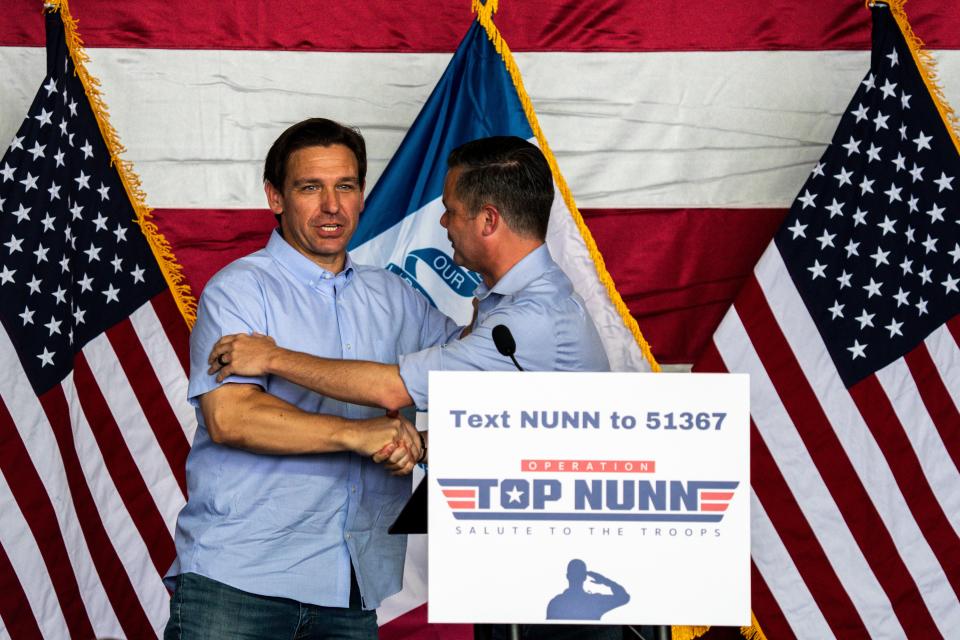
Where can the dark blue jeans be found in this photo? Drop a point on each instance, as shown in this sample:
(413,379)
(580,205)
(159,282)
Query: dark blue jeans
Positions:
(204,609)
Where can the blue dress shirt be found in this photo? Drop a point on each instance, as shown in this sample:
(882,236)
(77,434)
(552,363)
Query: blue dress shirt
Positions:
(548,320)
(290,525)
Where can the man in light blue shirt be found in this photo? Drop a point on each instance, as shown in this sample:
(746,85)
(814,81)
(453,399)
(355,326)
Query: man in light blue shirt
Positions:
(497,197)
(284,533)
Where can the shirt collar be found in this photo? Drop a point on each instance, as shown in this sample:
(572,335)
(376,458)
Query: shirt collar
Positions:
(530,267)
(302,268)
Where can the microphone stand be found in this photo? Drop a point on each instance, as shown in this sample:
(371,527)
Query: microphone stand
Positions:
(503,340)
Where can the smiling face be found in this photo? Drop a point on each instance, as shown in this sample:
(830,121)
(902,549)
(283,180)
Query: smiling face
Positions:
(320,203)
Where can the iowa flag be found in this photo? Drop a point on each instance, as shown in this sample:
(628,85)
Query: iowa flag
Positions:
(481,94)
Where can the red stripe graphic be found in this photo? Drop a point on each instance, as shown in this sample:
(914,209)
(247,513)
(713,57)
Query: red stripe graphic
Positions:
(459,493)
(123,468)
(588,466)
(841,479)
(713,507)
(461,504)
(716,495)
(38,511)
(116,582)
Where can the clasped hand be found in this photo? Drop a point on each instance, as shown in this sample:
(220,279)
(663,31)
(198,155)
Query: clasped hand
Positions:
(404,451)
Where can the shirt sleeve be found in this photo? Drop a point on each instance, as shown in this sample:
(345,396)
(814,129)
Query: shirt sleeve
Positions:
(437,328)
(536,350)
(231,303)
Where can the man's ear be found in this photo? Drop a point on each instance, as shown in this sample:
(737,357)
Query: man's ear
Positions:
(491,218)
(274,197)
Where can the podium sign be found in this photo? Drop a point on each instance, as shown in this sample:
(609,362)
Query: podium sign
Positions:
(586,498)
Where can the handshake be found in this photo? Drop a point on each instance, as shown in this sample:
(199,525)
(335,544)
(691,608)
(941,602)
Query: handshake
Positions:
(391,439)
(406,449)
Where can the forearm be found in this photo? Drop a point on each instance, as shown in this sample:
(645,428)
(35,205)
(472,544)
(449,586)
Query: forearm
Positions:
(356,381)
(245,417)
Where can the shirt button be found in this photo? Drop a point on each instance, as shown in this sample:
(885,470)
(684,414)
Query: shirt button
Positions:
(348,347)
(347,536)
(353,488)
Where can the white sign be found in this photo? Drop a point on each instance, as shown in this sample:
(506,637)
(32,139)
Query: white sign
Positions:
(575,498)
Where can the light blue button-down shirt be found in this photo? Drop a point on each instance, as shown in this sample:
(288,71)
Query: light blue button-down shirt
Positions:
(290,526)
(548,320)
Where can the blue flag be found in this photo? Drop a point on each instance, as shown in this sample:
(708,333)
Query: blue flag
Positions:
(480,94)
(400,227)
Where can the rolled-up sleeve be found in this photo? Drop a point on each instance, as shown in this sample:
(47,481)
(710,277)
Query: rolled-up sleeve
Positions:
(220,314)
(477,352)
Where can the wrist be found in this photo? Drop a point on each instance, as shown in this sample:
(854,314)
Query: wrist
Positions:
(273,362)
(347,437)
(423,448)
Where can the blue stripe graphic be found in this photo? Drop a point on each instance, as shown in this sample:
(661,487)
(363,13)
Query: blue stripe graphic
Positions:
(580,517)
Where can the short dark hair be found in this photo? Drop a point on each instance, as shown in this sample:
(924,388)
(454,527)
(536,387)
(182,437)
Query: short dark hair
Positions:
(315,132)
(509,173)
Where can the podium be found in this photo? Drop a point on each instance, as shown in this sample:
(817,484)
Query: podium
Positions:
(589,498)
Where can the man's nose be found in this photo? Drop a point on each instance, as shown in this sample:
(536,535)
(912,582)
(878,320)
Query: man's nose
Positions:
(330,201)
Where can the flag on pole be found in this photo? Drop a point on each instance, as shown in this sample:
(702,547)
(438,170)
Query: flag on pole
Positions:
(480,94)
(93,418)
(849,331)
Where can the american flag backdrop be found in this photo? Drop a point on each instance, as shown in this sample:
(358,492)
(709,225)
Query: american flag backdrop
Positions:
(848,328)
(684,131)
(94,422)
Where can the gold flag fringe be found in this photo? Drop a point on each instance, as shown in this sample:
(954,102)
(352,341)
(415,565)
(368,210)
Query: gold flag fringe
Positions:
(687,633)
(171,269)
(753,632)
(485,13)
(927,65)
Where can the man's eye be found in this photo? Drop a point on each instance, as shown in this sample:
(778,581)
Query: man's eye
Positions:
(345,187)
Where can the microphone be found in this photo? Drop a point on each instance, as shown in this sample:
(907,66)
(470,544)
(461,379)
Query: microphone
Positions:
(505,343)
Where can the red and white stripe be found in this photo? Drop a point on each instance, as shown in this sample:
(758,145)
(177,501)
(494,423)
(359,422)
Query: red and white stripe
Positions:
(856,516)
(684,130)
(90,484)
